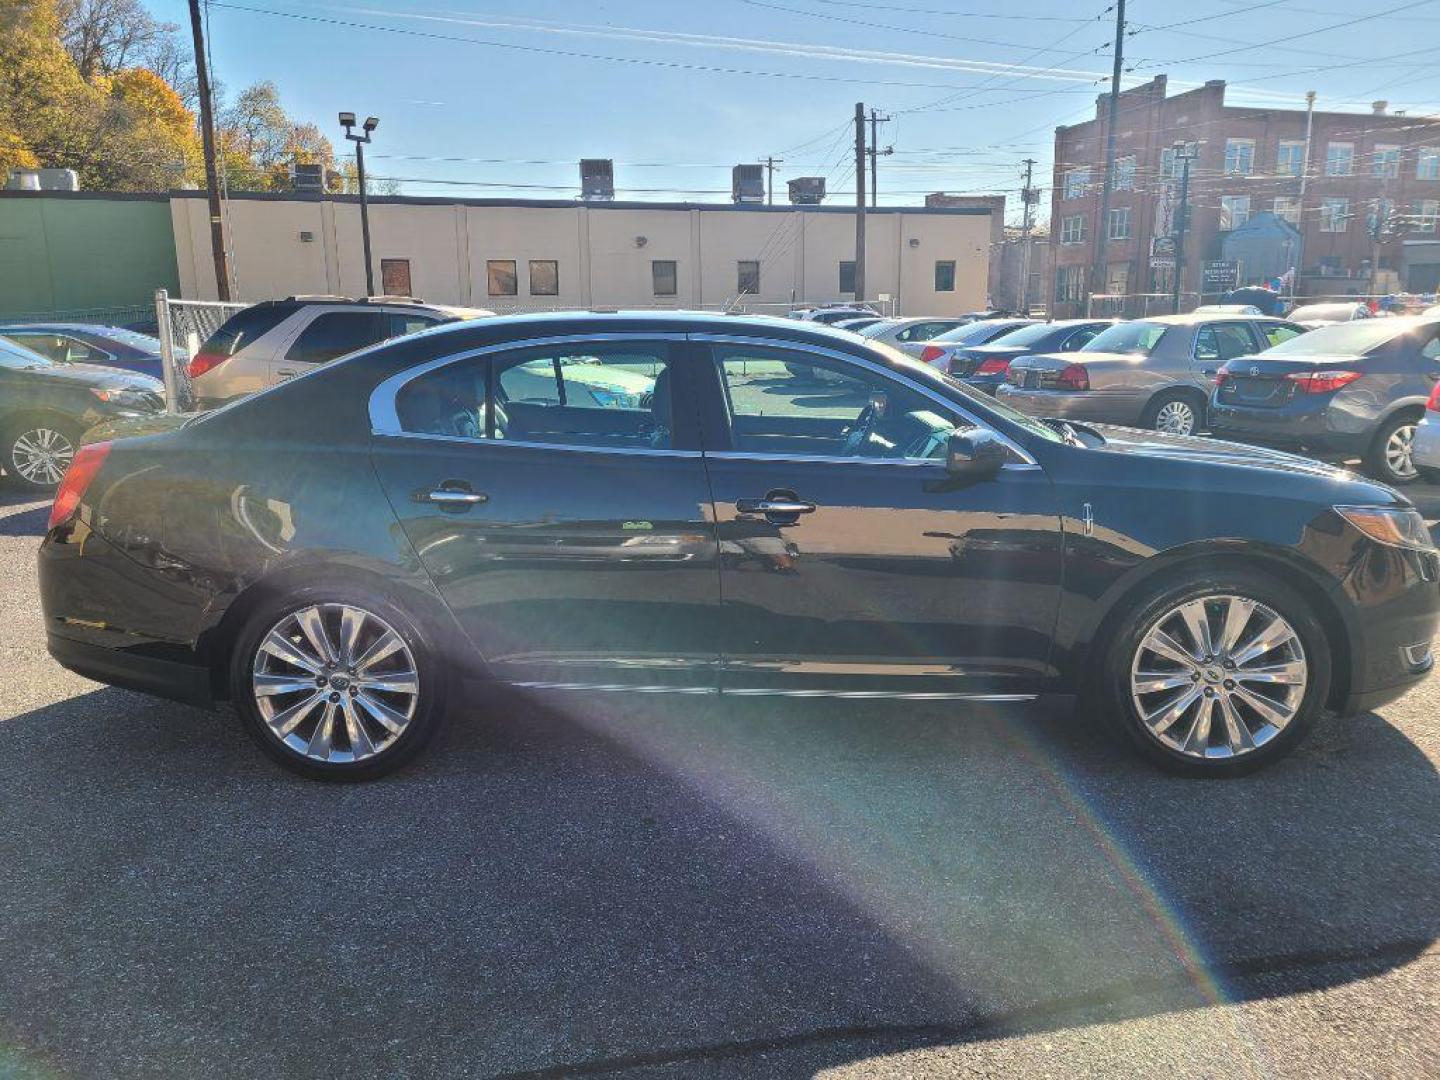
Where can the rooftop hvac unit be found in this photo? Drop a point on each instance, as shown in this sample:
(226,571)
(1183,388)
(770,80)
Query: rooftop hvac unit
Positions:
(807,190)
(308,177)
(597,178)
(747,183)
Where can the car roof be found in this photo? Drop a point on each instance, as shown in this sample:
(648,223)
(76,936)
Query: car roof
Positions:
(88,328)
(1193,317)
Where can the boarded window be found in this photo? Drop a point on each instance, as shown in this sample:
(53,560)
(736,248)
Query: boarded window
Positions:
(500,277)
(945,275)
(395,277)
(544,277)
(747,275)
(664,277)
(847,276)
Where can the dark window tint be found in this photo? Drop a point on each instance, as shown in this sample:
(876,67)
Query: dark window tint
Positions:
(500,277)
(847,276)
(244,327)
(544,277)
(337,333)
(945,276)
(664,276)
(1223,341)
(747,277)
(400,325)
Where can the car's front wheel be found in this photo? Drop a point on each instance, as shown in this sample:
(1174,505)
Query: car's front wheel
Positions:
(337,684)
(1218,674)
(38,450)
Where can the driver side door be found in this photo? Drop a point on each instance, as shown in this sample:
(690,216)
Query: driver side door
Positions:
(851,562)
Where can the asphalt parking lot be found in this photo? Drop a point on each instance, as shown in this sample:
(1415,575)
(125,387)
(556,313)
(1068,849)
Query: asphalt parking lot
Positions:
(679,889)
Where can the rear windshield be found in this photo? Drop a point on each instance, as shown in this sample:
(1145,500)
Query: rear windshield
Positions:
(243,328)
(973,333)
(1131,337)
(133,338)
(1342,339)
(1335,312)
(1029,335)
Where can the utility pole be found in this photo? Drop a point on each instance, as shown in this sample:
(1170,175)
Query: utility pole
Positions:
(1184,153)
(859,201)
(875,152)
(1300,205)
(207,137)
(770,163)
(1102,227)
(1028,198)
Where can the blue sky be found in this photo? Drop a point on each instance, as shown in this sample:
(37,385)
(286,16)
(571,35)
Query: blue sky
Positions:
(973,85)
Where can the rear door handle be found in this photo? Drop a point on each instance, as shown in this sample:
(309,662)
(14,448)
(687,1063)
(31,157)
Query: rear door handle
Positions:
(774,506)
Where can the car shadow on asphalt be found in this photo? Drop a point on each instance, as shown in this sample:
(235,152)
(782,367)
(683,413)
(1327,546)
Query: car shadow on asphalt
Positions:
(594,884)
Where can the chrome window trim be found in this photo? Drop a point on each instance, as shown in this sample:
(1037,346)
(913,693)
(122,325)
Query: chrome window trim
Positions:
(520,444)
(1027,462)
(384,420)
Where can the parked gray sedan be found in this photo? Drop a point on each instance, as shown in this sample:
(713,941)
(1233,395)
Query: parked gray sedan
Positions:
(1151,373)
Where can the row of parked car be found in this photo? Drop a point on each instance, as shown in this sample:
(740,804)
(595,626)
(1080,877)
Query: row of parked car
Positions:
(1356,387)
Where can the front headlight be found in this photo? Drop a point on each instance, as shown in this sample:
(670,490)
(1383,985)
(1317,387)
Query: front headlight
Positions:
(1394,526)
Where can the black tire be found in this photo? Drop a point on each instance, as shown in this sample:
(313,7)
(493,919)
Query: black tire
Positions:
(30,429)
(1150,419)
(1377,459)
(1112,696)
(424,723)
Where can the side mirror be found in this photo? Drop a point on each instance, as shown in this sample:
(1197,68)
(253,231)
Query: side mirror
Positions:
(975,454)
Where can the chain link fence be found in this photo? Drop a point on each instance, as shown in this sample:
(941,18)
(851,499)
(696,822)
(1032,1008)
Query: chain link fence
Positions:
(182,327)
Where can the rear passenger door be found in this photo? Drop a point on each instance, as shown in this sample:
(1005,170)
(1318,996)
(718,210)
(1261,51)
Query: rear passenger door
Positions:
(330,334)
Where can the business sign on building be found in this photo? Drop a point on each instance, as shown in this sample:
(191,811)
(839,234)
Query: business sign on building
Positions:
(1220,276)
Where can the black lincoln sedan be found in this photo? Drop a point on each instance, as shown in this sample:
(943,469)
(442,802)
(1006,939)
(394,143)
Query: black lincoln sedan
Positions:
(686,504)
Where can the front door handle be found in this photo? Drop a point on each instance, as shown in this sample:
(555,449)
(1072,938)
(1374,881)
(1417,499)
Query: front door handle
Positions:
(769,506)
(452,496)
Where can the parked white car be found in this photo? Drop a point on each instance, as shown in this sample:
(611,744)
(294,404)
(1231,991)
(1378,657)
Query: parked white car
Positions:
(276,340)
(909,335)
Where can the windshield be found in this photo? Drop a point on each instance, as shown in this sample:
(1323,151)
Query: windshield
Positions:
(1131,337)
(1342,339)
(1029,335)
(971,333)
(132,338)
(17,356)
(875,329)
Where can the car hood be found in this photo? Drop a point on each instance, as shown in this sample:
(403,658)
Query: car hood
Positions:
(1151,444)
(100,377)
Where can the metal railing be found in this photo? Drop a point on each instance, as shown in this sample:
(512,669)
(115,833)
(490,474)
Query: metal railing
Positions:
(182,327)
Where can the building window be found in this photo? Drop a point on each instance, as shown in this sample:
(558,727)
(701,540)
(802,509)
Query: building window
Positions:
(1334,215)
(1385,161)
(847,276)
(1070,283)
(1120,223)
(1425,213)
(1339,159)
(544,277)
(1117,279)
(1168,167)
(663,277)
(1234,211)
(500,277)
(747,277)
(1290,158)
(1076,183)
(1072,229)
(1288,208)
(945,276)
(1125,173)
(1239,157)
(1427,163)
(395,277)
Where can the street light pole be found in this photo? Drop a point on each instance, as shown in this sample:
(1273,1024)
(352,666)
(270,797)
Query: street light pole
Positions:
(347,120)
(1184,153)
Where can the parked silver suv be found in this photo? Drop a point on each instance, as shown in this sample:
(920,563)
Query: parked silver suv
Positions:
(276,340)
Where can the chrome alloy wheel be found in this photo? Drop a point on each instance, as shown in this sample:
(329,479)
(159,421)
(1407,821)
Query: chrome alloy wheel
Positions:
(41,455)
(1218,676)
(1176,418)
(1399,452)
(335,683)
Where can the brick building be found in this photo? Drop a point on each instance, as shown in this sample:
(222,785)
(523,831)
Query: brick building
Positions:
(1361,168)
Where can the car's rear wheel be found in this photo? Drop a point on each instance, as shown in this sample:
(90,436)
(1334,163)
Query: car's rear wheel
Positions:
(1218,674)
(1391,457)
(38,450)
(1175,413)
(337,684)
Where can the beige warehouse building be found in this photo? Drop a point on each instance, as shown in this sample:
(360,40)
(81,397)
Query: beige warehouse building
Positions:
(521,255)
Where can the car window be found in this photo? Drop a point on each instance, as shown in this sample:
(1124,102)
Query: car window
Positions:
(406,323)
(1080,338)
(1223,341)
(1344,339)
(337,333)
(1128,337)
(1275,333)
(17,357)
(604,396)
(796,404)
(924,331)
(1431,349)
(61,348)
(244,328)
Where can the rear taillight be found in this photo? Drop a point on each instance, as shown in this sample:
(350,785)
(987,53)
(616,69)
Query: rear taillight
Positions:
(996,365)
(1073,377)
(1433,405)
(83,467)
(931,353)
(202,362)
(1321,382)
(1222,377)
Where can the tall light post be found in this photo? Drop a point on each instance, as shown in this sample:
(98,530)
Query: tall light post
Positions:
(347,121)
(1185,153)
